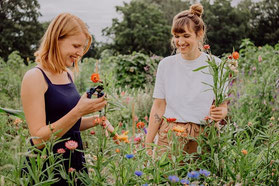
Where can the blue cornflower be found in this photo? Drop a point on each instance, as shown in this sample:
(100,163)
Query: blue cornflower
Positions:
(173,178)
(193,174)
(129,156)
(144,184)
(183,181)
(138,173)
(204,172)
(144,129)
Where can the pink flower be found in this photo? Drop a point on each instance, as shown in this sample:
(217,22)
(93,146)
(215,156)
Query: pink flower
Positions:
(61,151)
(146,118)
(260,59)
(137,139)
(122,93)
(254,68)
(71,169)
(206,47)
(71,145)
(136,118)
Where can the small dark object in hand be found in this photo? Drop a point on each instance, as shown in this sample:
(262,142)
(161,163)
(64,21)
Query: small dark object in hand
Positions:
(99,89)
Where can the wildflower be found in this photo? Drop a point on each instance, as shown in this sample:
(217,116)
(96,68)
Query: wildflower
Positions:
(230,57)
(61,151)
(138,173)
(185,182)
(137,139)
(117,150)
(254,68)
(204,172)
(260,59)
(250,123)
(129,156)
(136,118)
(170,120)
(206,47)
(244,152)
(144,129)
(17,121)
(122,93)
(178,129)
(123,137)
(146,118)
(272,118)
(235,55)
(173,179)
(71,145)
(71,169)
(206,118)
(95,78)
(193,174)
(140,125)
(144,184)
(97,121)
(92,132)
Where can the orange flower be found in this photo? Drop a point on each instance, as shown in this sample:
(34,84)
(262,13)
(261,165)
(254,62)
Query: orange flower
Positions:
(71,145)
(170,120)
(95,78)
(235,55)
(71,169)
(206,47)
(117,150)
(97,121)
(243,151)
(178,129)
(140,125)
(17,121)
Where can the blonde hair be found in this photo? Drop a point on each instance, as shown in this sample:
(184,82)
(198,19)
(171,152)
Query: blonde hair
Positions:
(64,25)
(191,18)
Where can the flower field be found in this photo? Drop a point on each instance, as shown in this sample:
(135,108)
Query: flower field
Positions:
(245,151)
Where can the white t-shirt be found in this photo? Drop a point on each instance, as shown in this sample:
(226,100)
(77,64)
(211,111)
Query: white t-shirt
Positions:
(188,99)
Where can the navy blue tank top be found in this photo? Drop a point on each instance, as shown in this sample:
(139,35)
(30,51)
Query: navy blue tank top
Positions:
(59,100)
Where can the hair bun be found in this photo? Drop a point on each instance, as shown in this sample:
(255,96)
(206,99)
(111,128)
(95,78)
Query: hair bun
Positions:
(196,9)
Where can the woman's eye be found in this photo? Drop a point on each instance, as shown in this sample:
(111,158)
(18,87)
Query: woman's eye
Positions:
(176,36)
(186,36)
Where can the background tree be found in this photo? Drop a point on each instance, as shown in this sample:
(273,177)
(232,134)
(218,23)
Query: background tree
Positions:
(265,22)
(142,29)
(19,27)
(226,25)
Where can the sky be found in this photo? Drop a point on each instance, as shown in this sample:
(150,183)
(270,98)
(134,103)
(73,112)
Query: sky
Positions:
(97,14)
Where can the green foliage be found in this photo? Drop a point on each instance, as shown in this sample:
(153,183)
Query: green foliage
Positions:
(135,70)
(142,29)
(19,27)
(11,74)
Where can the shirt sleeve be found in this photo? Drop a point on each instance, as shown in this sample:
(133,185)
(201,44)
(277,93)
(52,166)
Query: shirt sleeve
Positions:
(159,91)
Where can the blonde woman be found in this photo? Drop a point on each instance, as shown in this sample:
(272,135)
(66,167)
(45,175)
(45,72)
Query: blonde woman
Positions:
(50,100)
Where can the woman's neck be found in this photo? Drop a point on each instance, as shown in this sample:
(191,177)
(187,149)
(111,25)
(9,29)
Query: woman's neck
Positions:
(191,56)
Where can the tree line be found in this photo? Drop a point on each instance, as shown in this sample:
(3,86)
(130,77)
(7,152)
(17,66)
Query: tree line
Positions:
(145,26)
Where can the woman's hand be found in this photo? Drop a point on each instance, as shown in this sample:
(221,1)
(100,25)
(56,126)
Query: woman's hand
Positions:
(86,106)
(218,113)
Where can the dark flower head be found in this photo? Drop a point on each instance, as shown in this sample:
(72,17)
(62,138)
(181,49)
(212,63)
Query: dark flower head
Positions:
(129,156)
(138,173)
(174,179)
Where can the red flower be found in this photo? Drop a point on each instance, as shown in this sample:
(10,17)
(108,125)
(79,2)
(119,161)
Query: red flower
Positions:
(206,47)
(71,169)
(71,145)
(170,120)
(92,132)
(61,151)
(140,125)
(95,78)
(235,55)
(230,57)
(137,139)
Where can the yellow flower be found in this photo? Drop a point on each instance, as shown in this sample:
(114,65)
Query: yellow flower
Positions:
(178,129)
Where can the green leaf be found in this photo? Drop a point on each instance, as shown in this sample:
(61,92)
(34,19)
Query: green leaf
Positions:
(200,68)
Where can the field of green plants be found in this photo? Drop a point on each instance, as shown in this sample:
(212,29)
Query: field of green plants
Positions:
(244,152)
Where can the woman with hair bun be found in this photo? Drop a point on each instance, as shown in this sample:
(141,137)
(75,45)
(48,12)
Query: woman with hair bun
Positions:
(180,92)
(51,102)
